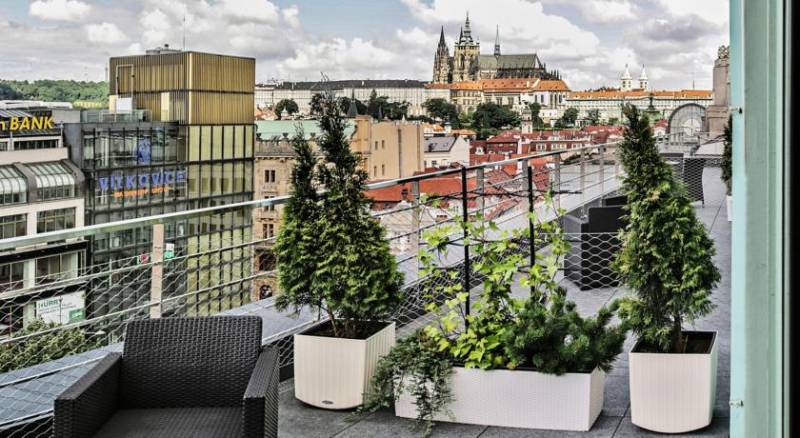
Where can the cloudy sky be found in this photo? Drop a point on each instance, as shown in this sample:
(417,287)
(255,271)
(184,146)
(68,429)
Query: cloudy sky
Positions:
(590,41)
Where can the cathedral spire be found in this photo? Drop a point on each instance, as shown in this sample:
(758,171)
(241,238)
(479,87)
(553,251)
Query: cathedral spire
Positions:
(461,35)
(467,30)
(441,39)
(497,42)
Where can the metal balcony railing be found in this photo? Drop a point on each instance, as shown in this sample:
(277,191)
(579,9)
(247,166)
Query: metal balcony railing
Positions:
(213,272)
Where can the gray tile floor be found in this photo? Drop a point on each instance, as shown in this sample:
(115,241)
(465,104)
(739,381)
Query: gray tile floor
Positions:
(299,420)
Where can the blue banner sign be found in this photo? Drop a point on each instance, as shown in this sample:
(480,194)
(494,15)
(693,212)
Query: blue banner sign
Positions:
(141,184)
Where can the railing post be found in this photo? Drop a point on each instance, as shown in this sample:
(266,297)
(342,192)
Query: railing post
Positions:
(531,225)
(465,218)
(583,182)
(558,181)
(480,197)
(602,149)
(157,270)
(416,225)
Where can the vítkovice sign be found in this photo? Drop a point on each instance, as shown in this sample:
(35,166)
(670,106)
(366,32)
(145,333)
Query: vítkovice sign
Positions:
(141,184)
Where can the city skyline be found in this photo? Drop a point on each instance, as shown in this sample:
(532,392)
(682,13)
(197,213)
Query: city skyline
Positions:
(588,41)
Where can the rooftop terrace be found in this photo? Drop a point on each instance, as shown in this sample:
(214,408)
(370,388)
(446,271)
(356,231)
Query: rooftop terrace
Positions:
(581,177)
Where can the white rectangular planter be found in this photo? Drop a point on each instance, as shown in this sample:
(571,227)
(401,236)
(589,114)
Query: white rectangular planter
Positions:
(673,393)
(334,373)
(729,207)
(518,398)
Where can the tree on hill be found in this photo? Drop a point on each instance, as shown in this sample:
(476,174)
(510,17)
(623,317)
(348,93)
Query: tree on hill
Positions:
(536,119)
(285,104)
(593,116)
(442,110)
(315,106)
(569,117)
(489,118)
(54,90)
(344,105)
(379,107)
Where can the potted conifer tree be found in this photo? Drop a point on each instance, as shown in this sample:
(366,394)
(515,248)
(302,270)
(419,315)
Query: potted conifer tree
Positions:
(727,167)
(666,262)
(332,256)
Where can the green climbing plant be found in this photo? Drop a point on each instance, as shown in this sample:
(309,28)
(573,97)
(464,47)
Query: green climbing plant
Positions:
(520,317)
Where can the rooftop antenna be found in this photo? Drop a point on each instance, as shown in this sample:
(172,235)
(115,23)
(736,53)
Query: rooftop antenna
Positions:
(184,31)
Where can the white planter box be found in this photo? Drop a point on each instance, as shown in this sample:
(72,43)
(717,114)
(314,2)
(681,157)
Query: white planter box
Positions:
(334,373)
(729,207)
(673,393)
(518,398)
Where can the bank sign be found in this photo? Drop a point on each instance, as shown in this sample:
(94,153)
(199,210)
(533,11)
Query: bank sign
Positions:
(141,184)
(27,123)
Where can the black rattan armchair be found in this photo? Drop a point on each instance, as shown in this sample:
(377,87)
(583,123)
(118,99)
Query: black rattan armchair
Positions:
(178,377)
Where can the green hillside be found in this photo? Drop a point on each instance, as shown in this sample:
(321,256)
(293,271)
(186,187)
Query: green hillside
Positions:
(80,92)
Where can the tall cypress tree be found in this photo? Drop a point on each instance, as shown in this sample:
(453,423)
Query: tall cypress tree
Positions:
(347,268)
(666,256)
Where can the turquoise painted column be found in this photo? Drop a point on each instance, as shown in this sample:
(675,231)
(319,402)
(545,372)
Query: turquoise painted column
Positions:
(758,235)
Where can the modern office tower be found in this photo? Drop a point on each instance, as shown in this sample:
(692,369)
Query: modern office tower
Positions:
(40,191)
(178,136)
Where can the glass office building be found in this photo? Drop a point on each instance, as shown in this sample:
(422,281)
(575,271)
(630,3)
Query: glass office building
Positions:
(172,141)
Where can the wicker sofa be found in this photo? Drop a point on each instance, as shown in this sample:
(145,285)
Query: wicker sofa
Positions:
(178,377)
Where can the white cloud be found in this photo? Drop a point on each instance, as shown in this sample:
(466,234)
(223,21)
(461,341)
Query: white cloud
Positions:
(66,10)
(589,41)
(715,11)
(105,33)
(607,11)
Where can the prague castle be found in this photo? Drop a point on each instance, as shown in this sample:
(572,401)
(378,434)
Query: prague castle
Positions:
(467,63)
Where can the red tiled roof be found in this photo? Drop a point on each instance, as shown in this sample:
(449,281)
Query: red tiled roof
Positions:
(619,94)
(443,185)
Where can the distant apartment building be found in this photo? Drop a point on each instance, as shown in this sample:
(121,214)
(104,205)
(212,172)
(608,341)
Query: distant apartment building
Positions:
(444,151)
(389,150)
(610,102)
(401,90)
(40,191)
(515,93)
(178,136)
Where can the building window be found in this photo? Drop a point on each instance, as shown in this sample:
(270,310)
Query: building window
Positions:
(23,145)
(270,207)
(266,261)
(55,220)
(269,231)
(269,176)
(13,186)
(56,267)
(374,170)
(53,181)
(11,276)
(383,170)
(376,145)
(383,144)
(433,163)
(13,226)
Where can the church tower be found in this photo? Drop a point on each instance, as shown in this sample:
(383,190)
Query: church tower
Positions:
(465,56)
(643,81)
(626,81)
(441,62)
(497,41)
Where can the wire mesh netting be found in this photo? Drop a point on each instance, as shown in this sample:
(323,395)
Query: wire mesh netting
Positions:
(222,275)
